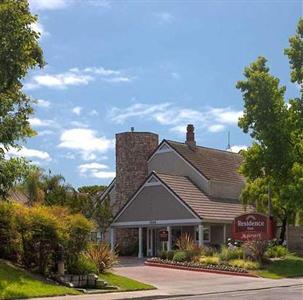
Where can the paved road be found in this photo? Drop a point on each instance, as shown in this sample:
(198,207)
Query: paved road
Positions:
(179,284)
(285,293)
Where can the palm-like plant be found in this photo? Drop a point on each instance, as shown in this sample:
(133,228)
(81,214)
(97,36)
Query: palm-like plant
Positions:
(33,186)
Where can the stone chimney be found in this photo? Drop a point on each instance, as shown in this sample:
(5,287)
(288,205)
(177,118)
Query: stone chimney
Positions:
(190,136)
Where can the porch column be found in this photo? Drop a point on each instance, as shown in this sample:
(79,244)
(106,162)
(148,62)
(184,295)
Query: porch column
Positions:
(200,233)
(112,239)
(224,233)
(169,240)
(140,253)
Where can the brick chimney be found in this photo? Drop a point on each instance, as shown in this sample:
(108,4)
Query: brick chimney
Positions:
(190,136)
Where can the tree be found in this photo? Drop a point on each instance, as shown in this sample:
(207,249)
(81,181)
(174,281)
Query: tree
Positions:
(57,192)
(92,190)
(33,186)
(273,165)
(19,52)
(103,215)
(85,201)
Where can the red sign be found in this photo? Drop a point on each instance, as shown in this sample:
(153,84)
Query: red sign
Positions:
(253,226)
(163,234)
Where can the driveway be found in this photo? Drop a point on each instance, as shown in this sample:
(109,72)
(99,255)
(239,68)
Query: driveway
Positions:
(181,284)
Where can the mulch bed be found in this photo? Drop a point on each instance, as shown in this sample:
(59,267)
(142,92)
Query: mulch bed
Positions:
(217,269)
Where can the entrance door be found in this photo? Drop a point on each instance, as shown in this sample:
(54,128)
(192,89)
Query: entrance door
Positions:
(153,243)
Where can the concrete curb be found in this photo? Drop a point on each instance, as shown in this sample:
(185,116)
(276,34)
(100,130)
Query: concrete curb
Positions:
(162,265)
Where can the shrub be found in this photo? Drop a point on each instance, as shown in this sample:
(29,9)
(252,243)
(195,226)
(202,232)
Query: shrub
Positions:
(193,255)
(82,265)
(255,249)
(245,264)
(185,243)
(41,233)
(163,255)
(207,251)
(170,255)
(210,260)
(78,229)
(180,256)
(10,244)
(228,253)
(276,251)
(43,229)
(102,256)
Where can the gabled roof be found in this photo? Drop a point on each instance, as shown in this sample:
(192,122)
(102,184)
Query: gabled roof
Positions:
(205,206)
(200,204)
(18,196)
(214,164)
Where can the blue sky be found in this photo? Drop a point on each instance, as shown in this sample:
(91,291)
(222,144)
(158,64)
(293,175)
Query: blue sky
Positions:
(154,65)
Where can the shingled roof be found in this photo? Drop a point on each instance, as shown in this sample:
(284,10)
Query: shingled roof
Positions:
(214,164)
(205,206)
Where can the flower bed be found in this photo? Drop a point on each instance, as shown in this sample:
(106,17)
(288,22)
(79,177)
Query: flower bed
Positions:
(191,266)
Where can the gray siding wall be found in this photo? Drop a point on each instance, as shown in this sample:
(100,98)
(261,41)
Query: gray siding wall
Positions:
(154,203)
(171,163)
(225,190)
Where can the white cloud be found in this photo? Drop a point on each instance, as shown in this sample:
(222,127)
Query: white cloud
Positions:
(39,28)
(118,79)
(75,76)
(36,122)
(94,113)
(86,142)
(59,81)
(237,148)
(216,128)
(212,119)
(226,115)
(101,71)
(61,4)
(29,153)
(180,129)
(92,166)
(43,103)
(77,110)
(47,4)
(104,174)
(119,116)
(96,170)
(165,17)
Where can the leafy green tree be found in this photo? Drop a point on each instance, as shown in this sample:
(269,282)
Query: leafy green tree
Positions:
(57,192)
(92,190)
(33,186)
(273,165)
(85,201)
(103,214)
(19,52)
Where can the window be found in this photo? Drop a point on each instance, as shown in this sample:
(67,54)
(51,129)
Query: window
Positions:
(206,234)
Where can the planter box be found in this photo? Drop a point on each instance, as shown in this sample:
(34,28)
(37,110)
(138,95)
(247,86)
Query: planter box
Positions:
(197,269)
(80,281)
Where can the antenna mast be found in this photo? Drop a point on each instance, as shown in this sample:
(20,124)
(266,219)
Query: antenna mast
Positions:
(228,141)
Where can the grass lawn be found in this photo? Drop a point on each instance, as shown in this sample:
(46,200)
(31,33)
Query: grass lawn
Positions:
(124,283)
(16,283)
(291,266)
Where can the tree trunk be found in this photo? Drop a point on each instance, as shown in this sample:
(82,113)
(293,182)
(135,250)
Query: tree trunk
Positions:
(283,230)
